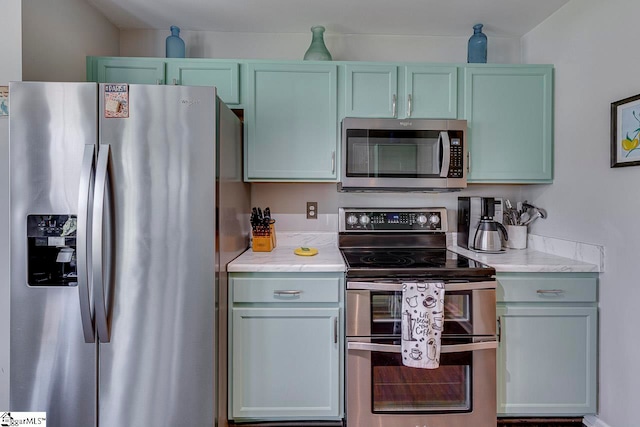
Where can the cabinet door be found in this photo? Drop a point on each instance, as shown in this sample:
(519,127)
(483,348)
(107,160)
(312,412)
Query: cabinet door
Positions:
(130,70)
(291,122)
(223,75)
(285,363)
(431,92)
(546,360)
(371,91)
(510,122)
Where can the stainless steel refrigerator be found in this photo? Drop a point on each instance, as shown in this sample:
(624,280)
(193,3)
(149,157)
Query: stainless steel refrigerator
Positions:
(127,202)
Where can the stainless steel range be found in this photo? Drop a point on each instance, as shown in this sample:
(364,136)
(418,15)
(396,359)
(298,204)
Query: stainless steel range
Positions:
(384,248)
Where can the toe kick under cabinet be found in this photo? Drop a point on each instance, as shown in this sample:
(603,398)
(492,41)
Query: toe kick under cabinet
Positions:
(286,346)
(548,344)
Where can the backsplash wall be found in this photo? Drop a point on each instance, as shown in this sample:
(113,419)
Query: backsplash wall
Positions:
(288,202)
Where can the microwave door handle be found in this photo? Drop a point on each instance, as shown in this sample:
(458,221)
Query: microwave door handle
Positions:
(445,145)
(388,348)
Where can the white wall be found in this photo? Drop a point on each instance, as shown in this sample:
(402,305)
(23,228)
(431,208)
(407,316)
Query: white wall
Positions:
(343,47)
(10,70)
(594,46)
(58,35)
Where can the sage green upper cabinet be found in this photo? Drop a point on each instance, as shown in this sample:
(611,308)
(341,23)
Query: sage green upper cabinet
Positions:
(431,92)
(386,90)
(509,113)
(371,90)
(128,70)
(291,122)
(225,76)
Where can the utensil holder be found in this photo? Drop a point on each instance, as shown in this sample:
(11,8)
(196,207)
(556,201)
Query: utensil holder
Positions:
(517,236)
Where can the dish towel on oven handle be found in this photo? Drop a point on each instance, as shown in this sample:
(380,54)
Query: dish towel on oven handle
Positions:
(422,323)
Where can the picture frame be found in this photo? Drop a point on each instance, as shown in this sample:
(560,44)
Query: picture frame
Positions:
(625,132)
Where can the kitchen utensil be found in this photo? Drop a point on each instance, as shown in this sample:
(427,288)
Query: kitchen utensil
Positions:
(535,216)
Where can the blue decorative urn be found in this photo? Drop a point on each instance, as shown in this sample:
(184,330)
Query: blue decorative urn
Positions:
(175,45)
(477,49)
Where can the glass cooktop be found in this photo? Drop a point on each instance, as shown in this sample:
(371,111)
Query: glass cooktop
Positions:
(411,261)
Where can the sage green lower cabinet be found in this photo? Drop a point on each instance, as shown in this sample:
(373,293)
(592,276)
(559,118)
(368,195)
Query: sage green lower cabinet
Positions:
(547,355)
(291,122)
(509,113)
(285,346)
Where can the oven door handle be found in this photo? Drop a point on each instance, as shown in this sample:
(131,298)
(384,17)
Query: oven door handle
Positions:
(397,287)
(389,348)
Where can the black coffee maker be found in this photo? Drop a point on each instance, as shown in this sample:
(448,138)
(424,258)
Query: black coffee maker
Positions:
(489,233)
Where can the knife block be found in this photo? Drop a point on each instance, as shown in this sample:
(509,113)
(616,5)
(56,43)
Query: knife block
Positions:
(265,243)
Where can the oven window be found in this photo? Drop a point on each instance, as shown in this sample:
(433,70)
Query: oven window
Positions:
(400,389)
(386,313)
(393,153)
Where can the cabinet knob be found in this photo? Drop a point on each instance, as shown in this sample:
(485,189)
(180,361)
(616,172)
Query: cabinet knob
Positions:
(394,109)
(333,162)
(288,293)
(550,291)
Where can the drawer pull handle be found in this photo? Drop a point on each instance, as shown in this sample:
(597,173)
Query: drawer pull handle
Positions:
(550,291)
(287,293)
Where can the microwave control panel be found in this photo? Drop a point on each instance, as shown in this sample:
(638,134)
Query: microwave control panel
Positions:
(457,159)
(393,220)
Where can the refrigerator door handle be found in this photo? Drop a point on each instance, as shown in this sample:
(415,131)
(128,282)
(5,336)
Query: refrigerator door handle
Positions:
(100,195)
(84,201)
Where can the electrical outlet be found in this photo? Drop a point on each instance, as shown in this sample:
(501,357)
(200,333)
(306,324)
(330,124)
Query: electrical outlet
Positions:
(312,210)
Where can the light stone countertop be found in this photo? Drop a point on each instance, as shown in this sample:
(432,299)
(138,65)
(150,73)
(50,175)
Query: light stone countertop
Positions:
(543,255)
(527,261)
(282,258)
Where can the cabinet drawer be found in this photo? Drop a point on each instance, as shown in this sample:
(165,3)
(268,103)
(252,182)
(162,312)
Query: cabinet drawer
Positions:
(285,289)
(546,288)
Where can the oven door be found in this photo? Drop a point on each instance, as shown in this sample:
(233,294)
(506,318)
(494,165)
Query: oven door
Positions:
(375,309)
(381,391)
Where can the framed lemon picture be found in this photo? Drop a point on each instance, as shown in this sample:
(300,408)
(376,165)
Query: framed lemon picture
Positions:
(625,132)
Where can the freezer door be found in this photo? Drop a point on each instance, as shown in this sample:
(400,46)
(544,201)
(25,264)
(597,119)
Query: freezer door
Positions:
(157,359)
(52,368)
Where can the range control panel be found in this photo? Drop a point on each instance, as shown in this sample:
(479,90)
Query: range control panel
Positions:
(393,220)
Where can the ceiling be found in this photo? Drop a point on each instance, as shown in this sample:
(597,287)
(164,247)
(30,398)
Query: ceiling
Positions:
(504,18)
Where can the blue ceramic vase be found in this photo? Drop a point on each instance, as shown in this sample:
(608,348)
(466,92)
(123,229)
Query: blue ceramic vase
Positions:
(175,45)
(317,51)
(477,49)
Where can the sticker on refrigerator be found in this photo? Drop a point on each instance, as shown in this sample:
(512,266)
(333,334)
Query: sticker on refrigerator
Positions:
(4,100)
(116,101)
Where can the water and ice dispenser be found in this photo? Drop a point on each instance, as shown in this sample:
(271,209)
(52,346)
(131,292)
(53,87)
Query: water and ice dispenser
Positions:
(51,248)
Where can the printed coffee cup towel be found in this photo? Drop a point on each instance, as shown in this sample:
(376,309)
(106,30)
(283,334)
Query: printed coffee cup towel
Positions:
(422,324)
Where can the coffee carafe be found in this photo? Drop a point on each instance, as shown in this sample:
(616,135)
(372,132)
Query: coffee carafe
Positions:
(488,234)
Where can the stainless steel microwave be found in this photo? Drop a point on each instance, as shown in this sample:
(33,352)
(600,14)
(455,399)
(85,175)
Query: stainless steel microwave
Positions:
(403,155)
